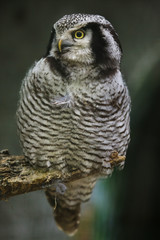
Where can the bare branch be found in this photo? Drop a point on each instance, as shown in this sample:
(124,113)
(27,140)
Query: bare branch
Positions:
(17,176)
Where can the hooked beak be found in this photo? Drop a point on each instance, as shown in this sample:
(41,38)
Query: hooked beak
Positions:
(64,44)
(60,45)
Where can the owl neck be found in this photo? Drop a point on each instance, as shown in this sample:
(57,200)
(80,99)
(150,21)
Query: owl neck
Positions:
(80,70)
(89,71)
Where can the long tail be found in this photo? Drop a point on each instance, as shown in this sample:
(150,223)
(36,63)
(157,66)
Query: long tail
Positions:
(66,207)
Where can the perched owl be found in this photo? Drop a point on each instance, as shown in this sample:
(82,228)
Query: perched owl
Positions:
(74,108)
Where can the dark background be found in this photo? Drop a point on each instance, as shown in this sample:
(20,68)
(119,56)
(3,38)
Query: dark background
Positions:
(126,206)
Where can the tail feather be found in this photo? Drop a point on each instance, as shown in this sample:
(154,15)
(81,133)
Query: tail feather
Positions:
(67,218)
(66,207)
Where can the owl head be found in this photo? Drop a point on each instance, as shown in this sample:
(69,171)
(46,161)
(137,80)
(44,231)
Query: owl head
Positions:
(85,39)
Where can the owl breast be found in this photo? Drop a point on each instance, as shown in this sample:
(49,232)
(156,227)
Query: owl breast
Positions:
(73,126)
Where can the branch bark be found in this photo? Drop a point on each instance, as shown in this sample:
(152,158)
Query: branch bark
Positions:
(17,176)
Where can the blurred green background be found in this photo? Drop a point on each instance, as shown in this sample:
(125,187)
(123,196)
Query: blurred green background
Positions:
(125,206)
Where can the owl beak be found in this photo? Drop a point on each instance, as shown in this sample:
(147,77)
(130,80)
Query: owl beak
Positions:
(64,44)
(60,45)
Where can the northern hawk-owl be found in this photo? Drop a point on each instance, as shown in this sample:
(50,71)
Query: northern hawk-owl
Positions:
(74,108)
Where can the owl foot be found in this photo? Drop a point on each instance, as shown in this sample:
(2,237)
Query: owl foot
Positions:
(116,159)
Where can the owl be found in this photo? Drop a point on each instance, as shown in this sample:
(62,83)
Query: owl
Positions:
(73,112)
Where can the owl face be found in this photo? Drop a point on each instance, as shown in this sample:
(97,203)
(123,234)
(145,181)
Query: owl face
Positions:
(87,39)
(73,45)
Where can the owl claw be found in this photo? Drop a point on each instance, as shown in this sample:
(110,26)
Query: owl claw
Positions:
(116,159)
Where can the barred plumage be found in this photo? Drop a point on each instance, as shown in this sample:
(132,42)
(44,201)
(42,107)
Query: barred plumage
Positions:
(74,110)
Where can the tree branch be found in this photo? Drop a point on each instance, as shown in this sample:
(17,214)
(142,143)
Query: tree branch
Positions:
(17,176)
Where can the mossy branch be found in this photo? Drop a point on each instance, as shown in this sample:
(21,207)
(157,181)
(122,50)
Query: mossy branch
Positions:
(17,176)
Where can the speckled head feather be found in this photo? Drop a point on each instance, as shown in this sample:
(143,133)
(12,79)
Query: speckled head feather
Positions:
(70,21)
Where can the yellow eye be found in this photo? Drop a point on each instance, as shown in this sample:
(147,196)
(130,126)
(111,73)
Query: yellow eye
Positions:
(79,34)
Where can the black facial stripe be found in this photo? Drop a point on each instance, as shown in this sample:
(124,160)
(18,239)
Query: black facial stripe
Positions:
(99,46)
(50,42)
(98,43)
(114,35)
